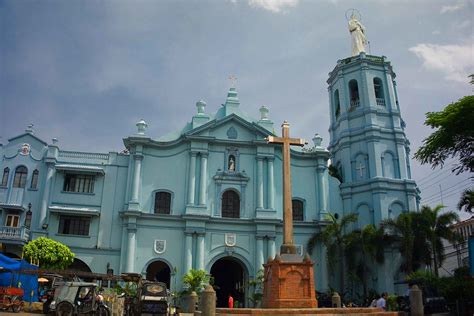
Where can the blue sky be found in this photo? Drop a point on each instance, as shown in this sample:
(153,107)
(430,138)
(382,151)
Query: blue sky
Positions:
(87,71)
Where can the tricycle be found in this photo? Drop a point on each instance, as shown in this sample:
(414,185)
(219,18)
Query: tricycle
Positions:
(11,297)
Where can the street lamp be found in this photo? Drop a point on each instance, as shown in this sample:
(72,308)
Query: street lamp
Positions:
(28,217)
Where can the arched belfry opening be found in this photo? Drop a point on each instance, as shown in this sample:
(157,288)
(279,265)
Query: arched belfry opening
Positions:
(230,278)
(159,271)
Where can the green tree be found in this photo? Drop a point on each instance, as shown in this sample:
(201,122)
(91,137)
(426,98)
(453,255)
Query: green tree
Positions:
(195,280)
(466,202)
(49,253)
(365,248)
(454,136)
(401,229)
(335,239)
(436,226)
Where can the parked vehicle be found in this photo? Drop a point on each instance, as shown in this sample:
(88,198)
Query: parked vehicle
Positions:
(11,297)
(154,298)
(78,298)
(49,283)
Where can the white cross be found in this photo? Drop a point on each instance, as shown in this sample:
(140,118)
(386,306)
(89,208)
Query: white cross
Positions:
(232,79)
(361,169)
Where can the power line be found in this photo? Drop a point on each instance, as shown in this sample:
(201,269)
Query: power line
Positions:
(441,171)
(438,198)
(434,183)
(450,189)
(431,177)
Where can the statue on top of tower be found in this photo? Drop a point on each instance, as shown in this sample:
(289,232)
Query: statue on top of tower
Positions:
(357,31)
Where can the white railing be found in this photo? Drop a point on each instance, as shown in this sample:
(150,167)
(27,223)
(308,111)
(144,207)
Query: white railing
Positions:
(14,233)
(355,103)
(380,101)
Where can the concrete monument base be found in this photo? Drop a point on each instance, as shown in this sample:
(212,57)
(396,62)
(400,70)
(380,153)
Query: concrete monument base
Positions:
(289,282)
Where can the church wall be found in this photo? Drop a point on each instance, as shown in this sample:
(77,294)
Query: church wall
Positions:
(164,169)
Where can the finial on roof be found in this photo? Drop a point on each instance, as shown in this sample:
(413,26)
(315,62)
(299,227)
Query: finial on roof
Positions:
(29,128)
(141,126)
(264,112)
(55,141)
(201,105)
(317,140)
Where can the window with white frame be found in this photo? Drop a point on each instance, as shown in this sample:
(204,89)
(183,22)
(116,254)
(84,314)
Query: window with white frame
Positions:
(81,183)
(12,220)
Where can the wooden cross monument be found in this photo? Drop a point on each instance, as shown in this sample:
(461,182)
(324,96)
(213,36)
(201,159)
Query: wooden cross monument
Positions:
(288,245)
(289,278)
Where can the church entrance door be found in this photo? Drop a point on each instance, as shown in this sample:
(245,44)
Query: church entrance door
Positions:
(159,271)
(230,278)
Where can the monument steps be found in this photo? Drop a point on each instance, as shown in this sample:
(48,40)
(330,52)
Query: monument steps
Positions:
(303,311)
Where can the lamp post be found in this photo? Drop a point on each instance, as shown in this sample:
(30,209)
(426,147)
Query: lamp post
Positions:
(28,217)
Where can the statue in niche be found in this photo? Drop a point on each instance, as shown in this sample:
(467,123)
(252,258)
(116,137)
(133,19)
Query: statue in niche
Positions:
(357,31)
(231,164)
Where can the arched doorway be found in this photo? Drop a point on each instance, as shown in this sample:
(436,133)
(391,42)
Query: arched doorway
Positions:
(79,266)
(230,277)
(159,271)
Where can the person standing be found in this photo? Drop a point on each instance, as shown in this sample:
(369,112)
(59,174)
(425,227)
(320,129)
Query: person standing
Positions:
(382,301)
(231,301)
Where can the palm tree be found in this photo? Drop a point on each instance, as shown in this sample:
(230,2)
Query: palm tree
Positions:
(437,228)
(466,202)
(402,231)
(334,239)
(364,248)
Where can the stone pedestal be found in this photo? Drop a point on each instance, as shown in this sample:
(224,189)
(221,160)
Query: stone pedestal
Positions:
(289,283)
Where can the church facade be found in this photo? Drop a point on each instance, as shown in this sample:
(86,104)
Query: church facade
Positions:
(210,195)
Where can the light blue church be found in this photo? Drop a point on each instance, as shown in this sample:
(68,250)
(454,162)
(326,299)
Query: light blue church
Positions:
(210,195)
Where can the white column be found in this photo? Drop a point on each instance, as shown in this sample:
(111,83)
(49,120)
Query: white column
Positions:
(44,201)
(188,252)
(260,182)
(136,177)
(131,244)
(203,186)
(271,247)
(322,191)
(200,252)
(271,185)
(260,259)
(192,179)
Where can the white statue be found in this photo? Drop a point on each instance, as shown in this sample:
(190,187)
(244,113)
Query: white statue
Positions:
(358,35)
(231,163)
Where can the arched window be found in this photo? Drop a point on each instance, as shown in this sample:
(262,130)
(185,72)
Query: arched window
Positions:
(34,179)
(298,212)
(388,166)
(354,93)
(337,104)
(163,203)
(6,173)
(378,89)
(230,204)
(20,177)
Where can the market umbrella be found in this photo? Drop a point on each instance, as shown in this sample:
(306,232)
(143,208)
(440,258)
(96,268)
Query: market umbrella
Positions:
(42,280)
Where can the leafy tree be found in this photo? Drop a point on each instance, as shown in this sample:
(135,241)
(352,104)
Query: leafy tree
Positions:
(364,248)
(195,280)
(437,227)
(466,202)
(334,172)
(335,240)
(402,231)
(454,136)
(50,253)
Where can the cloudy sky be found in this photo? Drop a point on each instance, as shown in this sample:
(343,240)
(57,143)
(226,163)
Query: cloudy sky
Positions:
(87,71)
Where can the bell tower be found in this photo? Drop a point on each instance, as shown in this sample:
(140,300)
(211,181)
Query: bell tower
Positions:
(368,144)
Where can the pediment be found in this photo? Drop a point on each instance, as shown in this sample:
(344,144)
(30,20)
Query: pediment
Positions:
(232,128)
